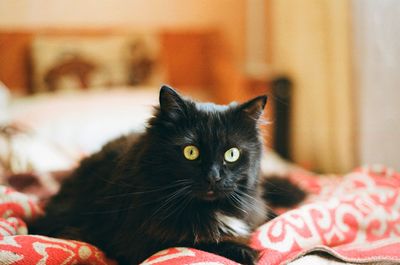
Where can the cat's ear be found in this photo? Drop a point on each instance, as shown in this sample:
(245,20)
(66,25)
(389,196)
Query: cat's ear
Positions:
(170,101)
(254,107)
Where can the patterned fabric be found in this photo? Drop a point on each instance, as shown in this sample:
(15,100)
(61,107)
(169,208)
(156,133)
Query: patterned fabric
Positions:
(87,62)
(355,218)
(16,247)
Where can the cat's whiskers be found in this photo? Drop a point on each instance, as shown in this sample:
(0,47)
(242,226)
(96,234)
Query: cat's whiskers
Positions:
(141,192)
(236,203)
(249,202)
(242,193)
(170,198)
(136,206)
(178,210)
(252,201)
(152,201)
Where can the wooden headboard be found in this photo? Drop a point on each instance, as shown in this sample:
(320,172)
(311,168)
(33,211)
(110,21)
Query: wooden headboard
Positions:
(192,59)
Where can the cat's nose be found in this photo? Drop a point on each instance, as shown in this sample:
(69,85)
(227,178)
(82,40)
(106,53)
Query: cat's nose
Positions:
(213,176)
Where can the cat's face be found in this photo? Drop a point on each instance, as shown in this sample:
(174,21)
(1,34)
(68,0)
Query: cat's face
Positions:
(214,150)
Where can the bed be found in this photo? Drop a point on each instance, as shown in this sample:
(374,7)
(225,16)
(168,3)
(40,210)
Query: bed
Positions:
(352,219)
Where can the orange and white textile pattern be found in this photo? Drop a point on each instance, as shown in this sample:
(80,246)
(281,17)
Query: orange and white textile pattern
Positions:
(355,219)
(187,256)
(16,247)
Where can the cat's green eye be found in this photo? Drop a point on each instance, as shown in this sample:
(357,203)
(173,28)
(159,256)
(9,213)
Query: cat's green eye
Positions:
(191,152)
(232,155)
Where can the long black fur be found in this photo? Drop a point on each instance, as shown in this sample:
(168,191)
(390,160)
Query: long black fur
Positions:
(281,192)
(139,195)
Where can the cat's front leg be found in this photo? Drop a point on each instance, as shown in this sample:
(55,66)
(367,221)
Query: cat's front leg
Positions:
(235,251)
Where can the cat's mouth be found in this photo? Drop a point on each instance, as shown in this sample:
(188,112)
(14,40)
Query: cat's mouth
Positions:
(211,195)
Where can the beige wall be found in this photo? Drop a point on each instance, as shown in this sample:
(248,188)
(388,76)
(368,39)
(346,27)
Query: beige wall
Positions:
(226,15)
(377,62)
(310,42)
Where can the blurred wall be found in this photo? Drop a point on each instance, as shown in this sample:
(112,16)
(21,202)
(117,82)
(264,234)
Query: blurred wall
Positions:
(310,41)
(226,15)
(377,64)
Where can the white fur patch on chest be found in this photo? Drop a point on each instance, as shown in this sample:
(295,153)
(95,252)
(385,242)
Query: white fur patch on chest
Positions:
(232,225)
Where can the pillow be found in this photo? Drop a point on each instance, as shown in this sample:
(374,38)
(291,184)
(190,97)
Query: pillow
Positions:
(64,63)
(81,122)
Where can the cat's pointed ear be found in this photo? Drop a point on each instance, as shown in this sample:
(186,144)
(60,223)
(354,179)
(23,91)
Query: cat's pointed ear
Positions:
(254,107)
(170,101)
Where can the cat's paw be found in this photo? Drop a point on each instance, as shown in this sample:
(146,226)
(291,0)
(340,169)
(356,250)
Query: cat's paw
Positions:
(235,251)
(242,254)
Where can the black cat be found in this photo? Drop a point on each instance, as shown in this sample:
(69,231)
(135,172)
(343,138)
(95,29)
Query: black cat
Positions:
(191,179)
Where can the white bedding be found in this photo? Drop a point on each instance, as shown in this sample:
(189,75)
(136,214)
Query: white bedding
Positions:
(86,119)
(63,127)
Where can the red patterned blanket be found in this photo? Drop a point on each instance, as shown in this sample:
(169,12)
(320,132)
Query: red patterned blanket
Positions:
(355,218)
